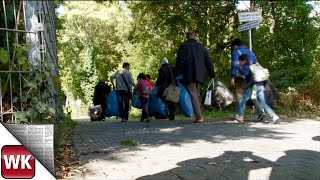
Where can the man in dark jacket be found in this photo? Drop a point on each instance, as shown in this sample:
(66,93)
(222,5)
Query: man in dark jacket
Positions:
(101,91)
(192,60)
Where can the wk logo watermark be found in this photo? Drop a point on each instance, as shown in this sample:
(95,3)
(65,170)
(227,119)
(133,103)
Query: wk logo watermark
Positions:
(17,162)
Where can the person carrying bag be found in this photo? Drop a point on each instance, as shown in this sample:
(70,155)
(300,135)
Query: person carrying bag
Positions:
(124,82)
(166,88)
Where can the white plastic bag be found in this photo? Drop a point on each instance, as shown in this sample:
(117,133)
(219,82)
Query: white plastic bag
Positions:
(208,99)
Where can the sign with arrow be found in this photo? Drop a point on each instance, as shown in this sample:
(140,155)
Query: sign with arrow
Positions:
(248,25)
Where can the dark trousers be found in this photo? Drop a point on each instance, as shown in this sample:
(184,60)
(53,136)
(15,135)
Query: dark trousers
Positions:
(171,108)
(123,100)
(104,108)
(144,106)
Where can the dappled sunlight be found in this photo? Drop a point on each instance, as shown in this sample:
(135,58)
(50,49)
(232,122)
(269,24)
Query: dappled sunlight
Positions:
(182,149)
(160,133)
(245,165)
(263,172)
(171,129)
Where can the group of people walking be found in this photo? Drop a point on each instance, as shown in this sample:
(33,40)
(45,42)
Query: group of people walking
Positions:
(192,61)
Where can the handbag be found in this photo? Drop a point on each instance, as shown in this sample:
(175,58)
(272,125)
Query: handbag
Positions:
(259,74)
(172,93)
(209,95)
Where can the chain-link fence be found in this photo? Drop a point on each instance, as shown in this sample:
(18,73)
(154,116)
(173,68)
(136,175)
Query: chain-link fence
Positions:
(27,40)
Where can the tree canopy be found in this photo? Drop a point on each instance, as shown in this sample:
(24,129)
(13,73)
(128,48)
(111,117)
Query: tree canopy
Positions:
(95,38)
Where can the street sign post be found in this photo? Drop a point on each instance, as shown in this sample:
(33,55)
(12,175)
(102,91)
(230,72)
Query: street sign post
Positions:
(253,19)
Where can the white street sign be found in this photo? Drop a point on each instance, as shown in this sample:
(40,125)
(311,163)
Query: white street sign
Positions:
(248,25)
(249,16)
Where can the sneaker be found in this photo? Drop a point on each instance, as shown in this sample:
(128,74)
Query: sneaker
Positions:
(239,118)
(261,116)
(275,120)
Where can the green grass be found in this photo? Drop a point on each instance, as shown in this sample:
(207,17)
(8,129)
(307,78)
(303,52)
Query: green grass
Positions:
(212,112)
(217,113)
(129,142)
(208,112)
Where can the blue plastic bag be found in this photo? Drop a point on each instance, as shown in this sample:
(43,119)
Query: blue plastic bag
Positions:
(136,101)
(156,106)
(185,103)
(112,104)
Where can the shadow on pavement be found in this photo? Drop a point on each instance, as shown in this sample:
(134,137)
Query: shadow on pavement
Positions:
(104,136)
(296,164)
(95,140)
(316,138)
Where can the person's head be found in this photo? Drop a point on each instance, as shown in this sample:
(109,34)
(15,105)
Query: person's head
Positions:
(243,59)
(141,76)
(126,66)
(191,35)
(164,61)
(101,80)
(148,76)
(236,43)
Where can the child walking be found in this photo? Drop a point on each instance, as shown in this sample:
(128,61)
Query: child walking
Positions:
(144,91)
(245,71)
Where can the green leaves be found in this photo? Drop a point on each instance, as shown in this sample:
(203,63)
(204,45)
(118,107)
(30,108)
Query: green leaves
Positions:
(4,56)
(91,45)
(23,60)
(143,32)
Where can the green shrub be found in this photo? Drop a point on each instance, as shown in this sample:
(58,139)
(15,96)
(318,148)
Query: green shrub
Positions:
(60,127)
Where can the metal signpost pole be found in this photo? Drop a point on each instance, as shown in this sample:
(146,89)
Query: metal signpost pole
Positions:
(252,20)
(250,40)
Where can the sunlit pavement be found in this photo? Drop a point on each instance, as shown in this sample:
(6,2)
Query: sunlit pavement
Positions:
(212,150)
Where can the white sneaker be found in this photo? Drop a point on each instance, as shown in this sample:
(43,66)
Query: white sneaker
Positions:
(275,119)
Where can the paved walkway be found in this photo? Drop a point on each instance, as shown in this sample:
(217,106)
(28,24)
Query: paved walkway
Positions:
(213,150)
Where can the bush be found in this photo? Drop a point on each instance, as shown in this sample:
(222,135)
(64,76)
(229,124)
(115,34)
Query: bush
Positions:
(303,99)
(290,77)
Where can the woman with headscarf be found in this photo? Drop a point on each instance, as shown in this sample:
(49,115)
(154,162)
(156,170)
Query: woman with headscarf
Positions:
(165,79)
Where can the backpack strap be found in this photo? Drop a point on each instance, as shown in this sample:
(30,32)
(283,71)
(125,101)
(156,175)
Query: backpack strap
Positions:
(125,82)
